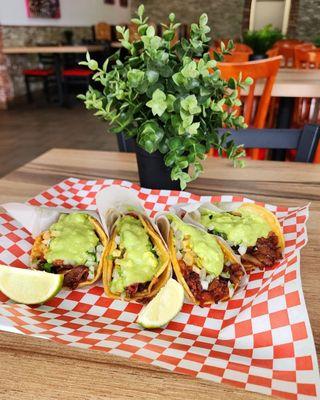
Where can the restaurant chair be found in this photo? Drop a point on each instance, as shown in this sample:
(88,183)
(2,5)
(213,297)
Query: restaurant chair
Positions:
(74,77)
(255,110)
(240,53)
(44,72)
(102,32)
(304,141)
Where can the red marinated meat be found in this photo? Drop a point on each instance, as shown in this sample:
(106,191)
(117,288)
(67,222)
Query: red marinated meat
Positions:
(136,287)
(74,275)
(264,254)
(218,288)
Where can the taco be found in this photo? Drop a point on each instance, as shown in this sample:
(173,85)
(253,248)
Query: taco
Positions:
(73,246)
(204,265)
(251,230)
(138,264)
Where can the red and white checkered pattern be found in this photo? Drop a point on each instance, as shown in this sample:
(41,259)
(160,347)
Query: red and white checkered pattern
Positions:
(260,340)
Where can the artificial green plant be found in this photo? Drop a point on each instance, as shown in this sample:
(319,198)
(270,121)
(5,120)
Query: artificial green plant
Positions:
(170,97)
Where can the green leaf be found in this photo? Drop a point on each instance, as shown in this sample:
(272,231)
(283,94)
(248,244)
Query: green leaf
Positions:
(190,104)
(135,77)
(152,76)
(170,100)
(172,17)
(140,11)
(158,103)
(190,70)
(203,20)
(150,31)
(193,128)
(93,65)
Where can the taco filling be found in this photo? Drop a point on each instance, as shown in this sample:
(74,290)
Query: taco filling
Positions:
(208,272)
(135,258)
(71,247)
(248,233)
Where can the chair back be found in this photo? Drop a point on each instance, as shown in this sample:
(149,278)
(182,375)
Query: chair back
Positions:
(274,51)
(46,60)
(254,111)
(304,141)
(103,31)
(262,69)
(240,53)
(306,58)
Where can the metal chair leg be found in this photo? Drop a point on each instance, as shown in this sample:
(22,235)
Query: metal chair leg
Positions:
(46,89)
(29,93)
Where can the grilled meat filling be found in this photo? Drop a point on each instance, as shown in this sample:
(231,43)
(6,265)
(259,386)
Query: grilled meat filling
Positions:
(218,289)
(265,253)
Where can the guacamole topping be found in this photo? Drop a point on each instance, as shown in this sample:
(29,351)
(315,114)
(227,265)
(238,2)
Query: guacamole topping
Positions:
(238,230)
(203,244)
(73,239)
(139,262)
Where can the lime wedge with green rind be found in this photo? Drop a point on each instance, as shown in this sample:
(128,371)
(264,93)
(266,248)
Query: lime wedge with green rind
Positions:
(163,307)
(27,286)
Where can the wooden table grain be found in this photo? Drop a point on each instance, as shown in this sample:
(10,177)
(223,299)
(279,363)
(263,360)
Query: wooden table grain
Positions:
(46,370)
(53,49)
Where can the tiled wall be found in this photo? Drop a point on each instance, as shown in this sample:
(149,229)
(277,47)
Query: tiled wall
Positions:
(225,17)
(5,82)
(17,36)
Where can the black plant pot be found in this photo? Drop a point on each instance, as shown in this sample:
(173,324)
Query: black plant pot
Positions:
(153,172)
(256,57)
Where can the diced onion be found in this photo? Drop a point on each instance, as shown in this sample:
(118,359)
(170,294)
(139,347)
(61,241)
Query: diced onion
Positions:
(203,274)
(179,255)
(204,285)
(196,270)
(117,239)
(242,249)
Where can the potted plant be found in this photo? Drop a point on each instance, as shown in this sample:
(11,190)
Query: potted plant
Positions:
(164,96)
(262,40)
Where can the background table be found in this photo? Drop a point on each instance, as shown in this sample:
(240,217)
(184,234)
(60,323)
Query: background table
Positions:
(35,368)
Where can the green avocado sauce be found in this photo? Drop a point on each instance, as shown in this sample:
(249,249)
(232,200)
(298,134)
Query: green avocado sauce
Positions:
(73,239)
(203,244)
(238,230)
(139,262)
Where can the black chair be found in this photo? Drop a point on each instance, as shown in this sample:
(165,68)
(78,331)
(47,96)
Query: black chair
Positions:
(305,140)
(45,72)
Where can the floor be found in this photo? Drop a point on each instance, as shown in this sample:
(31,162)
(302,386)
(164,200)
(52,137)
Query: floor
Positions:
(26,131)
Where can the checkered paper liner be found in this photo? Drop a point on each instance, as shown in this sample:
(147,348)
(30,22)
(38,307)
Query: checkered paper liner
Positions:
(260,340)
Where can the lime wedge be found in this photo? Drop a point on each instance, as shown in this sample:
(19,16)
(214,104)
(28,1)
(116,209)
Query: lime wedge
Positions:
(28,286)
(163,307)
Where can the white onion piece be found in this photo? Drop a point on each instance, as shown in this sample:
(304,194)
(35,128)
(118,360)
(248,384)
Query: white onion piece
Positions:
(196,270)
(117,239)
(242,249)
(204,285)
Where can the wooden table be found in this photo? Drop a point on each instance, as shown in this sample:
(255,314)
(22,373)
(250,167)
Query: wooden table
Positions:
(57,52)
(53,49)
(292,82)
(35,368)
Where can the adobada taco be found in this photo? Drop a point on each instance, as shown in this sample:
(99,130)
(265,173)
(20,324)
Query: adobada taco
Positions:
(251,230)
(138,264)
(205,266)
(73,246)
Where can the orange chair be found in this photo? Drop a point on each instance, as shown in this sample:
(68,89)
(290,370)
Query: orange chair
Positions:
(306,58)
(102,31)
(255,112)
(285,48)
(240,53)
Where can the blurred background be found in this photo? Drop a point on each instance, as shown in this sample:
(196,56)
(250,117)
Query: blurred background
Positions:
(42,42)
